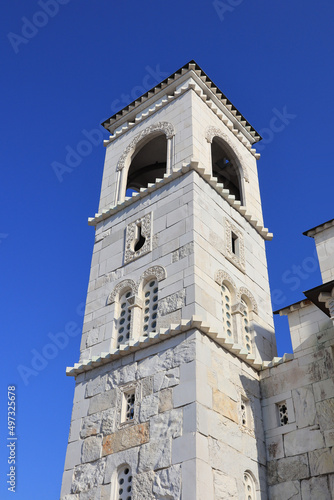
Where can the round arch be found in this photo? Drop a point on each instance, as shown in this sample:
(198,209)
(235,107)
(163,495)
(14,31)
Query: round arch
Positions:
(157,138)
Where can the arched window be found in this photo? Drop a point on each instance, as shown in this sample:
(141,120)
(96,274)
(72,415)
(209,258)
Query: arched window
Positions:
(246,328)
(123,484)
(225,168)
(124,319)
(227,310)
(150,307)
(147,163)
(249,486)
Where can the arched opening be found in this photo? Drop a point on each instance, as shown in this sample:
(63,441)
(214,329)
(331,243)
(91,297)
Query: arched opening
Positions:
(227,303)
(150,306)
(246,324)
(225,169)
(148,163)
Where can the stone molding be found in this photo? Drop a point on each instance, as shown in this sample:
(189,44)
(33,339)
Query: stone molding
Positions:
(227,116)
(244,291)
(158,272)
(212,132)
(176,173)
(222,276)
(123,285)
(145,223)
(185,325)
(237,260)
(165,127)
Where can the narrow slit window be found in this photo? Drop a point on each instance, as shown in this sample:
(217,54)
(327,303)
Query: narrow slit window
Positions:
(247,339)
(150,307)
(124,320)
(235,244)
(227,310)
(139,238)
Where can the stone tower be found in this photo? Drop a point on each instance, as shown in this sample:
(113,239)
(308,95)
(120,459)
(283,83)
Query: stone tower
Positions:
(178,317)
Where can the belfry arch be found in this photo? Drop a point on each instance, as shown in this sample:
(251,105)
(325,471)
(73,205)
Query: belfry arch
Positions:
(147,157)
(226,166)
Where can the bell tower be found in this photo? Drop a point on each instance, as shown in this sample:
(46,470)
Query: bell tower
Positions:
(178,317)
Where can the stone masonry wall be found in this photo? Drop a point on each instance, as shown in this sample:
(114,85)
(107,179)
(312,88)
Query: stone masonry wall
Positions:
(157,442)
(300,452)
(235,438)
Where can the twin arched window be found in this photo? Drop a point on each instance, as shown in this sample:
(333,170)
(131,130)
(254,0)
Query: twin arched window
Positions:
(237,309)
(136,306)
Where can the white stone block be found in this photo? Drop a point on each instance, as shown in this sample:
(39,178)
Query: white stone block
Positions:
(289,490)
(167,424)
(155,455)
(323,389)
(189,479)
(184,448)
(304,406)
(184,393)
(275,448)
(75,430)
(303,440)
(167,483)
(80,409)
(66,483)
(73,454)
(316,488)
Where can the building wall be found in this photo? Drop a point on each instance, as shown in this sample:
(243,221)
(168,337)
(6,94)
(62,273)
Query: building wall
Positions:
(187,439)
(300,453)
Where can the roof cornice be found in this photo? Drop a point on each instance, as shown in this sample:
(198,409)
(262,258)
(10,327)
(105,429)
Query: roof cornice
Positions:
(167,87)
(318,229)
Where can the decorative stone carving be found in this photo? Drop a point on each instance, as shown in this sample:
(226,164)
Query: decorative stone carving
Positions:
(237,257)
(119,287)
(212,132)
(222,276)
(157,272)
(165,127)
(244,291)
(145,225)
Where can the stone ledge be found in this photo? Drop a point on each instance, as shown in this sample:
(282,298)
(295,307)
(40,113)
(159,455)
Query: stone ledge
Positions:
(213,181)
(206,90)
(165,333)
(173,95)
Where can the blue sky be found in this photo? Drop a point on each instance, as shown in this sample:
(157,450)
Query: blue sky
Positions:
(69,68)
